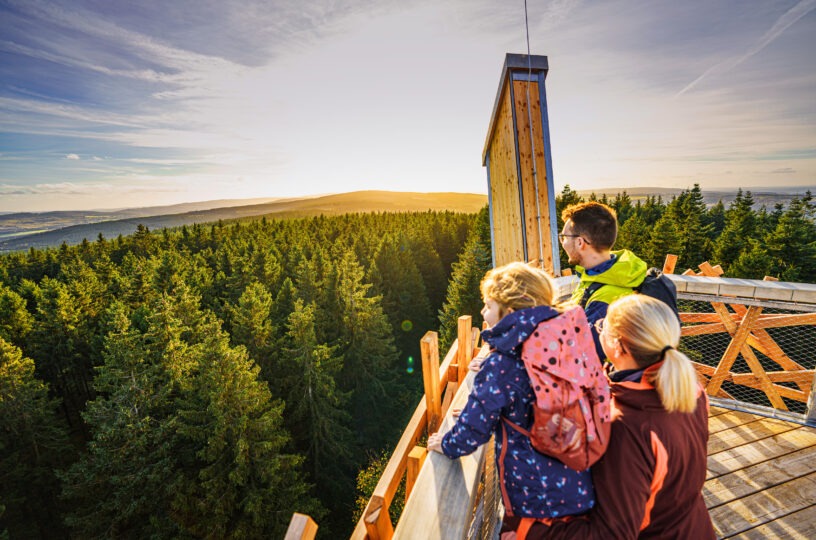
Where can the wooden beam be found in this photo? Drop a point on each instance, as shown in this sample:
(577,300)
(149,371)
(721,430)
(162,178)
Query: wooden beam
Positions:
(727,360)
(447,396)
(701,329)
(377,520)
(810,415)
(778,321)
(752,381)
(301,527)
(430,377)
(669,264)
(415,460)
(465,342)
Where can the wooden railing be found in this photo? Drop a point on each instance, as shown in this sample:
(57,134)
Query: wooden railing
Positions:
(441,384)
(445,490)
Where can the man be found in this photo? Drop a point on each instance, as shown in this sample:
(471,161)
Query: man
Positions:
(590,230)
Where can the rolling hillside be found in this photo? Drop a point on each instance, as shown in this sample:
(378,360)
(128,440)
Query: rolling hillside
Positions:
(50,230)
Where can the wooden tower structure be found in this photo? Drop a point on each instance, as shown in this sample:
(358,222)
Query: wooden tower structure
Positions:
(517,156)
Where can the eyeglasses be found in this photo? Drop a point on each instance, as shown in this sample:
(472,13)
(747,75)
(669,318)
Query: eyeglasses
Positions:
(561,237)
(599,326)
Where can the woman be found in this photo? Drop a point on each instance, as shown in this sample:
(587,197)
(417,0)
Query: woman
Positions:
(649,482)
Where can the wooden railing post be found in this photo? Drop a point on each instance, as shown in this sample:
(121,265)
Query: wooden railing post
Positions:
(377,520)
(429,346)
(669,264)
(464,353)
(301,527)
(810,415)
(415,460)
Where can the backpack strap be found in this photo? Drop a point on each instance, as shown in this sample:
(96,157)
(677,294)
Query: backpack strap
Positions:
(516,427)
(589,291)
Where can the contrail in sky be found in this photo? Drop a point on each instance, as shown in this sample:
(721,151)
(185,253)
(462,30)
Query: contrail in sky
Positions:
(791,16)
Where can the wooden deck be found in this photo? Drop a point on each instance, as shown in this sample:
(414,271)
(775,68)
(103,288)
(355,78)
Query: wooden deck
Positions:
(761,479)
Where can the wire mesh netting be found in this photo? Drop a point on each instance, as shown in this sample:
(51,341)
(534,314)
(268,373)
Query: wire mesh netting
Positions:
(780,351)
(487,514)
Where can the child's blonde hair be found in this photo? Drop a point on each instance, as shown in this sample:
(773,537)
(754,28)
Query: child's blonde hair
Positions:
(649,330)
(516,286)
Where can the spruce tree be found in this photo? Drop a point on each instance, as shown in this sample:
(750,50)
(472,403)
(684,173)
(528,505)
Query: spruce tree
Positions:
(33,443)
(740,225)
(15,320)
(186,440)
(632,233)
(792,244)
(371,365)
(464,296)
(664,239)
(396,278)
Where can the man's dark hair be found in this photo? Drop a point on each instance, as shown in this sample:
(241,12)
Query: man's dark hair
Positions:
(596,222)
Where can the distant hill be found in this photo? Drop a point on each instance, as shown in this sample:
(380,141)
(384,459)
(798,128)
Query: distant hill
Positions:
(24,230)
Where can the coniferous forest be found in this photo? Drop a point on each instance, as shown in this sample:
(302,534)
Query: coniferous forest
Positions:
(211,380)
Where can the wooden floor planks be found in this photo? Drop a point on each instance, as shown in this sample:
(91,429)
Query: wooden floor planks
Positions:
(761,476)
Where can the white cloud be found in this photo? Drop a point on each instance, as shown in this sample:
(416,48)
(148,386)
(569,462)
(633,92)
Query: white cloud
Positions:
(72,157)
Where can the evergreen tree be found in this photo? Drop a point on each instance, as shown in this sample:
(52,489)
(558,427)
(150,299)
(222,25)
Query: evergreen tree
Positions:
(397,279)
(464,296)
(15,320)
(315,412)
(753,263)
(632,233)
(622,204)
(792,244)
(739,227)
(694,232)
(371,363)
(186,441)
(32,444)
(664,239)
(715,219)
(252,326)
(61,348)
(237,483)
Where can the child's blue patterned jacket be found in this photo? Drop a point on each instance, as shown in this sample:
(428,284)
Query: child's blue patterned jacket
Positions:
(533,485)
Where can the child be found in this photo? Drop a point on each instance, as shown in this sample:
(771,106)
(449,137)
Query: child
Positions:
(534,487)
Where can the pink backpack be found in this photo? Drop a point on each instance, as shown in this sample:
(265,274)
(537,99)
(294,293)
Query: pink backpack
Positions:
(571,419)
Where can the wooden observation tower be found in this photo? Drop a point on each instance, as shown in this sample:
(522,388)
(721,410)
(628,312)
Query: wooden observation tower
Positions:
(519,167)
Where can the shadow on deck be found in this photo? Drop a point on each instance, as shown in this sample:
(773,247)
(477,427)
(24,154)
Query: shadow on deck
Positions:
(761,482)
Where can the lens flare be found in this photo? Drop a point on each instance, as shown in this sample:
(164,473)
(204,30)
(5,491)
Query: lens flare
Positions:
(407,326)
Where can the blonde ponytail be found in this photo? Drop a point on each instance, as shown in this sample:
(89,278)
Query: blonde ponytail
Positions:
(650,332)
(676,383)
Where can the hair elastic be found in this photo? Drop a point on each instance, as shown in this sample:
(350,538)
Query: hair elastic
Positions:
(663,352)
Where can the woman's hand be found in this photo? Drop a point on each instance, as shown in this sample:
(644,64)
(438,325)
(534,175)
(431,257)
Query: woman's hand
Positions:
(435,442)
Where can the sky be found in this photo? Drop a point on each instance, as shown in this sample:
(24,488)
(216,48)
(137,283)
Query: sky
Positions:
(111,103)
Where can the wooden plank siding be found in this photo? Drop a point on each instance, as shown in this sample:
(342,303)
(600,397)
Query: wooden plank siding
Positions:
(539,241)
(761,479)
(508,240)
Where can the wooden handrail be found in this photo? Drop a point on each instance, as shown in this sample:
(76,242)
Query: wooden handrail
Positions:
(375,521)
(448,488)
